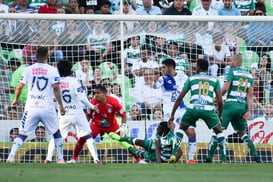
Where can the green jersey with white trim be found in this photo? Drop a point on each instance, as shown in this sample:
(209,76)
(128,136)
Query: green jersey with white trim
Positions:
(240,81)
(166,145)
(202,88)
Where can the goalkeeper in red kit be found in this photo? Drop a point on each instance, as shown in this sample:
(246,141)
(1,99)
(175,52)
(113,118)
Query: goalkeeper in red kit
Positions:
(104,119)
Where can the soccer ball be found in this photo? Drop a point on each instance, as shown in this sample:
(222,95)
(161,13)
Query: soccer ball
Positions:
(166,3)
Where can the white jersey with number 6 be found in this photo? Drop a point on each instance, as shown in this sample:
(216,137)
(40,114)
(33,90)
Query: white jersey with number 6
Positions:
(73,96)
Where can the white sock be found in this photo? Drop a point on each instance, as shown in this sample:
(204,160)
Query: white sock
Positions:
(16,145)
(50,150)
(92,148)
(192,148)
(59,147)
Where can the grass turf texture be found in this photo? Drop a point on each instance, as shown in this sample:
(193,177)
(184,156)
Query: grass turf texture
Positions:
(136,172)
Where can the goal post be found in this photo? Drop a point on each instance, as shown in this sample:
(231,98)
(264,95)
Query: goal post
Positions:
(110,49)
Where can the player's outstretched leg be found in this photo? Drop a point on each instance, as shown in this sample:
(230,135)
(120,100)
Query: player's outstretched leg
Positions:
(58,141)
(92,148)
(212,148)
(50,151)
(78,148)
(191,145)
(116,137)
(251,147)
(16,145)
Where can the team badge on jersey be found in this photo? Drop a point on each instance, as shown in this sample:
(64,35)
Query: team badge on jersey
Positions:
(57,79)
(80,90)
(109,110)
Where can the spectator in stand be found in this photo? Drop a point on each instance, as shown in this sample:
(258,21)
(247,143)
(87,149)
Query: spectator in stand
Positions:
(11,113)
(127,9)
(73,7)
(96,81)
(148,9)
(116,90)
(246,7)
(83,4)
(228,9)
(204,39)
(182,64)
(14,132)
(49,8)
(159,47)
(135,113)
(146,96)
(3,8)
(23,7)
(258,89)
(131,55)
(98,44)
(58,26)
(104,8)
(220,56)
(263,68)
(136,4)
(267,111)
(40,135)
(192,51)
(85,75)
(158,115)
(145,62)
(115,6)
(178,9)
(255,110)
(90,10)
(70,39)
(260,34)
(230,38)
(206,10)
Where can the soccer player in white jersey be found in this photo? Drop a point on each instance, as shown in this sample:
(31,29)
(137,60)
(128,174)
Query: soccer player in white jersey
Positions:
(72,96)
(43,84)
(172,83)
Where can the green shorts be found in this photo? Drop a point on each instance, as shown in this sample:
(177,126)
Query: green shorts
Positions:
(149,147)
(192,115)
(233,112)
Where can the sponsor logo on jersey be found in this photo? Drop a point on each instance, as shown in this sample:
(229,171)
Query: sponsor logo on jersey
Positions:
(70,107)
(64,85)
(39,71)
(38,97)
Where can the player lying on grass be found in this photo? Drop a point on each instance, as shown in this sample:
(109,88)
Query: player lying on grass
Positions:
(165,148)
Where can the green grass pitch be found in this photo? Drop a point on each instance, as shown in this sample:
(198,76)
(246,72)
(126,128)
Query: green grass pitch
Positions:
(136,172)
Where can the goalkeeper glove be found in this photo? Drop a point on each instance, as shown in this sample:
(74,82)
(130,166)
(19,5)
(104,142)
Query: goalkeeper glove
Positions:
(122,130)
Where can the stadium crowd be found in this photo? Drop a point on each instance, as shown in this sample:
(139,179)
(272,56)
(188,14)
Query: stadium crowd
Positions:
(95,52)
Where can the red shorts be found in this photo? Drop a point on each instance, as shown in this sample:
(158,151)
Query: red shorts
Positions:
(97,129)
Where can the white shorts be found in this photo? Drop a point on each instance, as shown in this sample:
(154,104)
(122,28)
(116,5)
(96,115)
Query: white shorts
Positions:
(78,121)
(177,116)
(31,119)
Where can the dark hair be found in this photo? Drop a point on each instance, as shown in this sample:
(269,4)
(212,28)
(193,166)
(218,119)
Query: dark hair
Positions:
(11,108)
(14,62)
(101,88)
(42,53)
(169,62)
(260,9)
(145,47)
(268,64)
(202,64)
(173,43)
(89,7)
(39,127)
(13,129)
(105,2)
(64,68)
(164,127)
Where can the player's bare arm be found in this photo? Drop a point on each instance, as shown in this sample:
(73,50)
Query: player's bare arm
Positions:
(17,93)
(225,88)
(249,103)
(57,93)
(158,151)
(219,103)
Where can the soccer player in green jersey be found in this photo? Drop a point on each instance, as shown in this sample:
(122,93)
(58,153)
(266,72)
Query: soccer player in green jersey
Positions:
(237,108)
(165,148)
(202,87)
